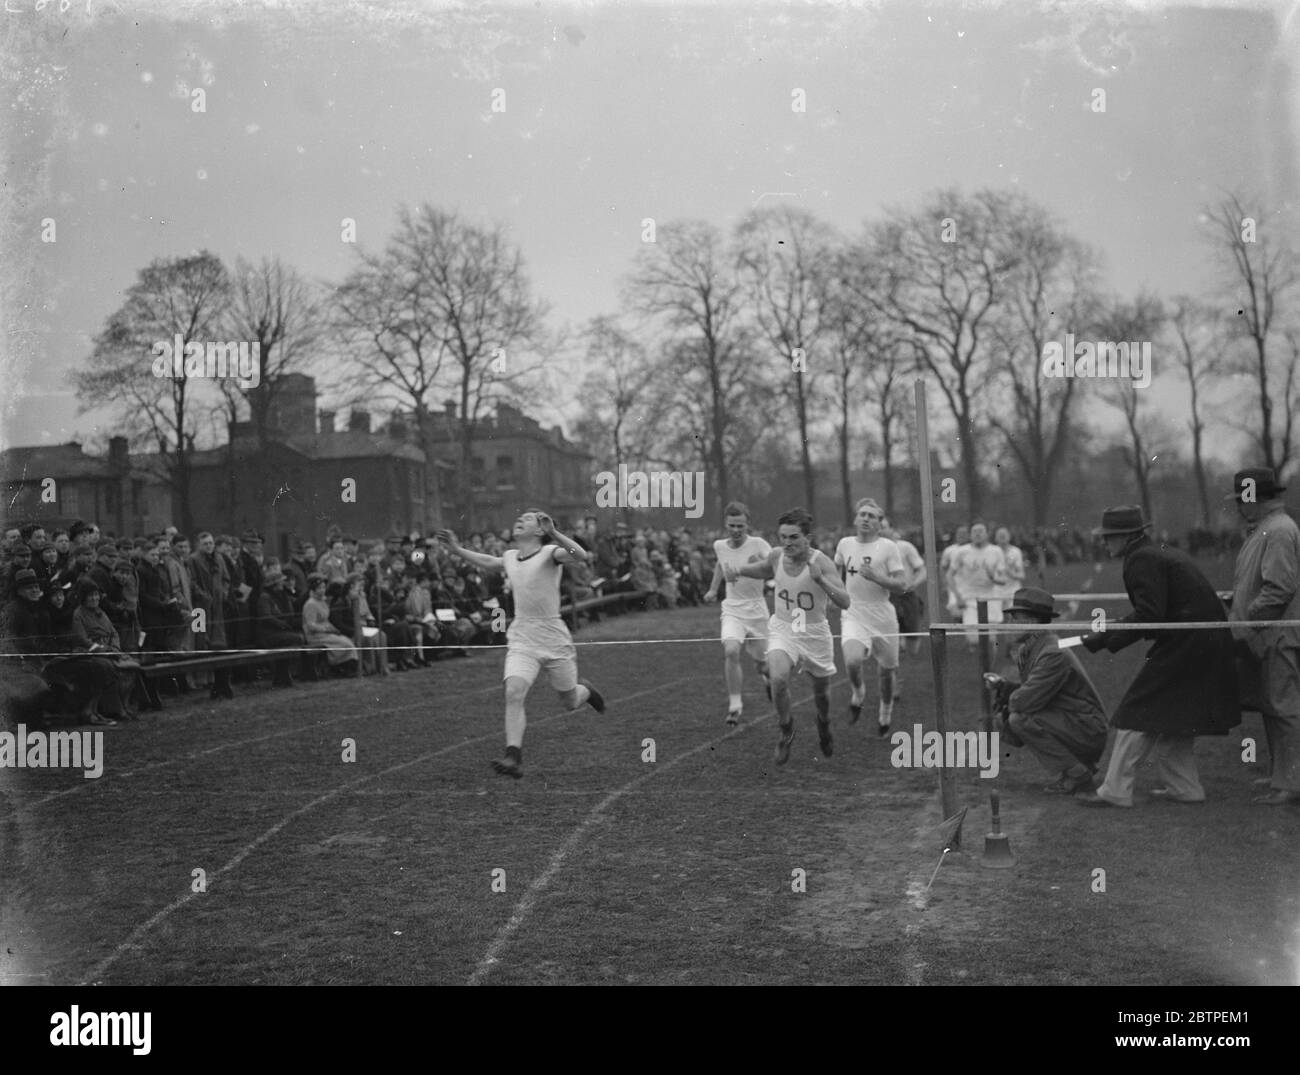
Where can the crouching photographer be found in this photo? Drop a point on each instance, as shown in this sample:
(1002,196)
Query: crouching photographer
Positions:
(1054,709)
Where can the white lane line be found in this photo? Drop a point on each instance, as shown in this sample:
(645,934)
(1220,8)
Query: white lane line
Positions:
(529,898)
(142,930)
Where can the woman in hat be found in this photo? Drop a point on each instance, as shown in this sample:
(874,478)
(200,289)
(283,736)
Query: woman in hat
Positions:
(320,632)
(1054,710)
(1187,685)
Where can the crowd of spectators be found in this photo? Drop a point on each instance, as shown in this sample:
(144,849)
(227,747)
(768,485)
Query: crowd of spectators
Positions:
(82,609)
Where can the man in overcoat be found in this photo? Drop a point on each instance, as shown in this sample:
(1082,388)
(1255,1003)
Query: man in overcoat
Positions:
(1266,586)
(1188,683)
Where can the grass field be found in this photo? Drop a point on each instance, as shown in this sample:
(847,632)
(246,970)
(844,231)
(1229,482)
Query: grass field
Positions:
(616,869)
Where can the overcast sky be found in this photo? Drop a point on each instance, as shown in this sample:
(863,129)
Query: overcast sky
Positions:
(614,112)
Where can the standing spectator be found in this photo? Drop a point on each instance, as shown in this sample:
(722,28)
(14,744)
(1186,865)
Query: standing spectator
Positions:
(300,569)
(159,609)
(1266,586)
(1187,685)
(46,564)
(234,604)
(978,573)
(63,544)
(21,560)
(252,563)
(209,584)
(1015,564)
(959,541)
(333,564)
(175,557)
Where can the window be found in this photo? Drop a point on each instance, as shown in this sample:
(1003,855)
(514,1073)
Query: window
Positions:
(137,497)
(505,472)
(476,468)
(70,501)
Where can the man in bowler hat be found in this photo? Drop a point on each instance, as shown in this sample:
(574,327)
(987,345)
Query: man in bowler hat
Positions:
(1266,586)
(1054,710)
(1188,683)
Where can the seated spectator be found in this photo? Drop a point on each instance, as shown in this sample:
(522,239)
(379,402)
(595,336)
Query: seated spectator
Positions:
(350,618)
(95,630)
(24,692)
(399,634)
(274,627)
(420,614)
(643,575)
(457,628)
(275,611)
(665,580)
(320,633)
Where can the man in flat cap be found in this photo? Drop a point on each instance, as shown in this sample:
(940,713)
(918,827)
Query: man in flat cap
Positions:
(1054,710)
(1188,683)
(1266,586)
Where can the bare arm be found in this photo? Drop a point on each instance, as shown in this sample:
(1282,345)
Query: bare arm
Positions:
(568,551)
(714,583)
(822,570)
(481,559)
(763,570)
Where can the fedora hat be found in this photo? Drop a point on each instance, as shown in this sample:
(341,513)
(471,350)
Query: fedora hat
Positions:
(1262,480)
(1125,520)
(1033,600)
(25,577)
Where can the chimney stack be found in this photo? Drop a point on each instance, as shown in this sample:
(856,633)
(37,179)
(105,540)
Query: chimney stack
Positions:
(359,421)
(326,422)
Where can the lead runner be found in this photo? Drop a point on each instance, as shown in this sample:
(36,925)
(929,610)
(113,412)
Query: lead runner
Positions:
(798,634)
(537,637)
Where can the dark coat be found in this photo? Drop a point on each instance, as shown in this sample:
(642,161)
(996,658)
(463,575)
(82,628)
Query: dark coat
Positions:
(276,620)
(1188,685)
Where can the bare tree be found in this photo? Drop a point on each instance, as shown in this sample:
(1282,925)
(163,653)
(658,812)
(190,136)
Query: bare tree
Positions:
(626,401)
(685,282)
(1262,270)
(948,265)
(178,297)
(1051,291)
(445,308)
(783,257)
(1139,320)
(1202,337)
(276,308)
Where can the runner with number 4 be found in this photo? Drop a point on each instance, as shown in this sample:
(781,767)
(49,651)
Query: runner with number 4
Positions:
(744,610)
(798,635)
(537,637)
(873,569)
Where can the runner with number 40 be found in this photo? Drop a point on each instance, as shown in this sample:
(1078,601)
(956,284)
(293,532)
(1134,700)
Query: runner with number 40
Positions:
(798,634)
